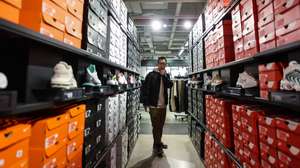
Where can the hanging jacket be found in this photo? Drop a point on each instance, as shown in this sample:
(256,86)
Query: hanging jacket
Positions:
(152,85)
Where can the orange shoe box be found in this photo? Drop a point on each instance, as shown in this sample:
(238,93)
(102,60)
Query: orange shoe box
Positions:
(76,162)
(74,147)
(50,134)
(14,146)
(75,7)
(73,26)
(39,159)
(73,41)
(76,123)
(44,16)
(10,10)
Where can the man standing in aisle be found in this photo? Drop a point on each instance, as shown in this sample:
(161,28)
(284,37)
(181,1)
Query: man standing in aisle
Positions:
(155,93)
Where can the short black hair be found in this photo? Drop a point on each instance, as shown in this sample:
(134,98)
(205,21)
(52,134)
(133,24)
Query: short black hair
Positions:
(161,58)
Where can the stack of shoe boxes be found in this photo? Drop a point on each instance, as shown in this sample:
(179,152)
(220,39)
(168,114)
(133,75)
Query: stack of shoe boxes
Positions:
(200,113)
(48,147)
(95,27)
(195,102)
(214,156)
(266,25)
(133,61)
(112,118)
(246,135)
(115,5)
(94,133)
(270,75)
(213,10)
(219,119)
(14,150)
(58,19)
(123,14)
(190,58)
(219,45)
(198,139)
(10,10)
(111,158)
(200,54)
(195,59)
(122,110)
(197,30)
(245,31)
(118,43)
(132,30)
(287,18)
(122,150)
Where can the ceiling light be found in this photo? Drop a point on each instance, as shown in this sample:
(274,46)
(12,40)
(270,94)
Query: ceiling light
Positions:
(187,24)
(156,25)
(165,25)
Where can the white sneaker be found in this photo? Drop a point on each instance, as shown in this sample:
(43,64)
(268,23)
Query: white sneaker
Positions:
(291,78)
(63,76)
(92,78)
(112,81)
(121,79)
(3,81)
(246,81)
(216,80)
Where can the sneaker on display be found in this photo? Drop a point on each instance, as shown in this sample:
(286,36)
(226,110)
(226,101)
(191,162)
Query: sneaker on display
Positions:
(3,81)
(63,76)
(92,78)
(246,81)
(112,81)
(132,79)
(122,79)
(291,78)
(216,80)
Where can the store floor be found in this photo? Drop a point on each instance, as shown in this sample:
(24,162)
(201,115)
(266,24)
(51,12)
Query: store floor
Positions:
(180,153)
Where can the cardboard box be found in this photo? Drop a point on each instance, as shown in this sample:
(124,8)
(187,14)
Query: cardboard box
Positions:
(287,161)
(261,4)
(288,137)
(287,22)
(282,6)
(250,45)
(268,135)
(288,38)
(76,122)
(267,39)
(266,16)
(73,26)
(76,162)
(10,10)
(236,17)
(239,49)
(290,124)
(50,134)
(264,94)
(73,41)
(248,8)
(39,159)
(44,16)
(292,150)
(249,25)
(75,7)
(74,147)
(270,80)
(14,146)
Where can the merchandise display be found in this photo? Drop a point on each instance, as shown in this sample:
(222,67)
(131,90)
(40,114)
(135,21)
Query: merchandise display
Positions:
(92,78)
(246,81)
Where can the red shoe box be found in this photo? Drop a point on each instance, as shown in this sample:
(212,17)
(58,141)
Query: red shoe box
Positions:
(237,32)
(269,154)
(268,135)
(239,49)
(250,45)
(265,164)
(267,38)
(270,80)
(289,124)
(224,28)
(289,149)
(267,121)
(264,94)
(288,137)
(236,17)
(282,6)
(287,161)
(273,66)
(289,38)
(251,142)
(248,8)
(261,4)
(249,25)
(266,16)
(251,159)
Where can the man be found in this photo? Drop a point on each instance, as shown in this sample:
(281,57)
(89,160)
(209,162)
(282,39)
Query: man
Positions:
(155,92)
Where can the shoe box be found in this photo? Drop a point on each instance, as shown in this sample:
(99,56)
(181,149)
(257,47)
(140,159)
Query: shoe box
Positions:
(195,58)
(270,75)
(123,14)
(133,56)
(14,148)
(287,21)
(95,27)
(111,158)
(122,150)
(219,119)
(58,19)
(122,110)
(213,10)
(10,10)
(200,114)
(197,30)
(132,30)
(200,52)
(195,102)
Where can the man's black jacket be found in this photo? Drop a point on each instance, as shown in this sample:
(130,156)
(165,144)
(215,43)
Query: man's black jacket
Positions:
(152,85)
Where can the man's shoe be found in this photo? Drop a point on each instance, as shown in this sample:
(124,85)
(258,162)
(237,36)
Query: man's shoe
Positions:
(63,76)
(92,78)
(246,81)
(291,79)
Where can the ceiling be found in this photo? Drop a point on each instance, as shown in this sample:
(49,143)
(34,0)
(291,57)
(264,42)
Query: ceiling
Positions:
(166,41)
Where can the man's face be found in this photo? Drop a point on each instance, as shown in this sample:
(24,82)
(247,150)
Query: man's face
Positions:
(162,64)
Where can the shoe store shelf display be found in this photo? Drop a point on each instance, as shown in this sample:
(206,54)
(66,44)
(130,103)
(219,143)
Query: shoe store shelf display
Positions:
(64,84)
(247,91)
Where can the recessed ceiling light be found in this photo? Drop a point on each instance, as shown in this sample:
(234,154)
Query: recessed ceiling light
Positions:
(165,25)
(187,24)
(156,25)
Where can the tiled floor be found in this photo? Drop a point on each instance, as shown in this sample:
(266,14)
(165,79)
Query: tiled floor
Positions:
(180,154)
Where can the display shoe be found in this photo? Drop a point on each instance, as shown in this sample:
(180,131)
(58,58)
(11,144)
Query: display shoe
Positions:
(216,80)
(291,79)
(112,81)
(246,81)
(3,81)
(132,79)
(63,76)
(121,79)
(92,78)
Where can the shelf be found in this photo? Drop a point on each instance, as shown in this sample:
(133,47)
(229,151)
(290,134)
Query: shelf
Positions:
(226,150)
(257,58)
(226,12)
(255,100)
(35,36)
